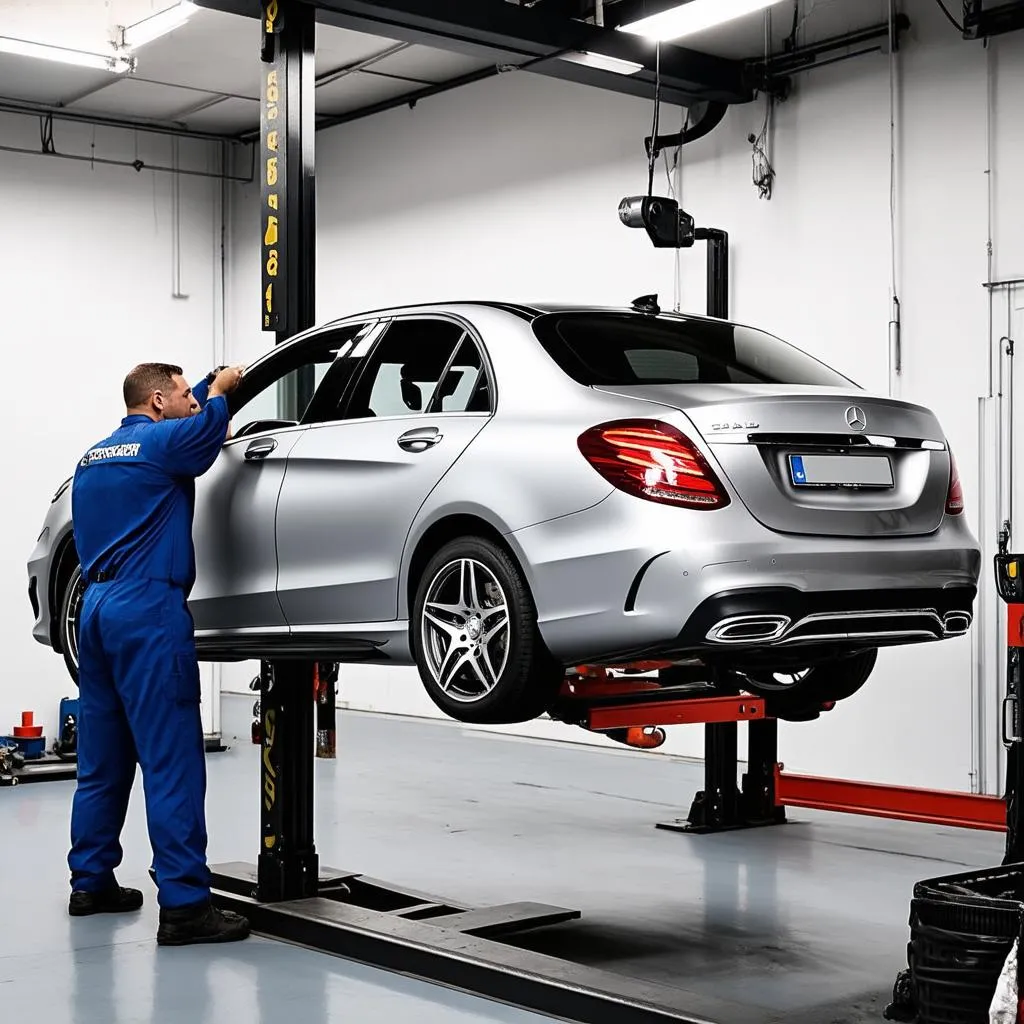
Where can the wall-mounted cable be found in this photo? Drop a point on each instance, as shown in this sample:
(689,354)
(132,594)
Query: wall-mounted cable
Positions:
(652,158)
(762,172)
(945,10)
(895,320)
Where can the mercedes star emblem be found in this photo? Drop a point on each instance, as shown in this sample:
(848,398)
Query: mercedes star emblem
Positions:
(856,418)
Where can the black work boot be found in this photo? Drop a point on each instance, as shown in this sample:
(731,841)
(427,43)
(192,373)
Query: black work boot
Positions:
(110,901)
(201,922)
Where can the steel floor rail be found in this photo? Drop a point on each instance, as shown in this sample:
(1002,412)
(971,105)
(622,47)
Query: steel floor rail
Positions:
(288,895)
(429,950)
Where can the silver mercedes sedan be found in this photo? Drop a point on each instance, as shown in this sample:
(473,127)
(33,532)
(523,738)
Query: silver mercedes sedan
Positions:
(499,493)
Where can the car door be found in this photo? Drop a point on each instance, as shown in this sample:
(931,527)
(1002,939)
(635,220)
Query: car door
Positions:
(236,500)
(357,478)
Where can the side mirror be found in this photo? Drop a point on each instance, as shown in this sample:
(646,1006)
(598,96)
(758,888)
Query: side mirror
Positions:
(261,426)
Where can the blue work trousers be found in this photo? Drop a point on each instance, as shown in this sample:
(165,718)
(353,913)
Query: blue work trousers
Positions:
(139,703)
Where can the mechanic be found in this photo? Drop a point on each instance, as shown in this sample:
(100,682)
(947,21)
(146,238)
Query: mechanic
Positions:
(133,500)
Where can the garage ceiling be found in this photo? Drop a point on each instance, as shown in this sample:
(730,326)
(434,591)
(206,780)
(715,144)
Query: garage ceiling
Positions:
(204,75)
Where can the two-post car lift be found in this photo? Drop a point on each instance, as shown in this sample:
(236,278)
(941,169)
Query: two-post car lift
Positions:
(288,894)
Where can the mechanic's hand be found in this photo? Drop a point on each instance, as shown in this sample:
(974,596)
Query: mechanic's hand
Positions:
(226,381)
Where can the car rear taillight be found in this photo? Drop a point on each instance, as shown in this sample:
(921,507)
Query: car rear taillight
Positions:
(653,460)
(955,495)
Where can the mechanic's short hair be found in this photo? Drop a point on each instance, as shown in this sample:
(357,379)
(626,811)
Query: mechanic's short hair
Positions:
(147,378)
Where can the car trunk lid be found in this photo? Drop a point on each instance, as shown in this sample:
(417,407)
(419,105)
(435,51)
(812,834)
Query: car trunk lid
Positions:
(817,460)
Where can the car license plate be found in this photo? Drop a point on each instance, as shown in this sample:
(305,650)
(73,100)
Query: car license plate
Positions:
(840,471)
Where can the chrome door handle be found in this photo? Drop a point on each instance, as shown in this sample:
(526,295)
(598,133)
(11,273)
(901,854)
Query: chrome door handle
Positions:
(420,439)
(260,449)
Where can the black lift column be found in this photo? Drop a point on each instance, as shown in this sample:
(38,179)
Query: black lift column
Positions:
(288,181)
(722,805)
(288,866)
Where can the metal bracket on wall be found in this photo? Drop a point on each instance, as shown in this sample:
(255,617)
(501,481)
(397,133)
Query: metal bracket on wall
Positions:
(771,75)
(981,21)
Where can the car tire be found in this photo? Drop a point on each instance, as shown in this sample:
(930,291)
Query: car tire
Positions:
(474,670)
(800,696)
(70,609)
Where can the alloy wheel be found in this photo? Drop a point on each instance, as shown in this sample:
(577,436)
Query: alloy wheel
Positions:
(71,615)
(465,630)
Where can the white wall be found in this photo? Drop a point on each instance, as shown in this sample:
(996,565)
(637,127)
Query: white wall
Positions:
(87,280)
(509,189)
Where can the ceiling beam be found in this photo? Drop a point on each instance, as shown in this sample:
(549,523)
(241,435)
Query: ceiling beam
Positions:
(627,11)
(511,34)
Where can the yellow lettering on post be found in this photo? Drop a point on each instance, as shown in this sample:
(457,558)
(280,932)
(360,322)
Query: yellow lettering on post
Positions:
(269,775)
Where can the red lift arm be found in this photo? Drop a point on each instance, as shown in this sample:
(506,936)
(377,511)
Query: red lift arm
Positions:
(631,710)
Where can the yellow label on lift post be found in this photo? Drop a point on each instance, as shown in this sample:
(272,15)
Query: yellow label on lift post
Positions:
(1011,570)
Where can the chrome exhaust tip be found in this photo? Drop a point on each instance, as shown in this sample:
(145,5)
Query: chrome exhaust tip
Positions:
(748,629)
(956,623)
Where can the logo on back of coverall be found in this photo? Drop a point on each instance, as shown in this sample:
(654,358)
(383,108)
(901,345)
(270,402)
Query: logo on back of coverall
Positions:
(114,451)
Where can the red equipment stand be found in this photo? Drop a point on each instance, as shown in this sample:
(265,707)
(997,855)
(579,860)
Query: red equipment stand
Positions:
(633,711)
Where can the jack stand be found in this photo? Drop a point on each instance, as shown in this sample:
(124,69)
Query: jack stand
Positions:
(326,709)
(721,806)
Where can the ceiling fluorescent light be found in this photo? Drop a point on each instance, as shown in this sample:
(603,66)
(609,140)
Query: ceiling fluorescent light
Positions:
(63,55)
(604,63)
(695,16)
(157,25)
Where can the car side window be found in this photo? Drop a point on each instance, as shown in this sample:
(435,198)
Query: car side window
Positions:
(403,372)
(274,389)
(464,387)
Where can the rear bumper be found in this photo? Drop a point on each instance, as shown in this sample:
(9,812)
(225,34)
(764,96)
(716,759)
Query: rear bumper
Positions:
(631,578)
(783,623)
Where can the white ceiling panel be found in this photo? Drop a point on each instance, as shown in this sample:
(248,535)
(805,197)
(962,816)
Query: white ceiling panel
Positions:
(340,47)
(142,99)
(229,117)
(816,19)
(358,90)
(78,24)
(426,64)
(45,81)
(212,51)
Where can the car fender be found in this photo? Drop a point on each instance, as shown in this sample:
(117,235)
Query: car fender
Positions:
(427,518)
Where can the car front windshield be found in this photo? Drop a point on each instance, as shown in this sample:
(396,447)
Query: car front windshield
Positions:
(625,349)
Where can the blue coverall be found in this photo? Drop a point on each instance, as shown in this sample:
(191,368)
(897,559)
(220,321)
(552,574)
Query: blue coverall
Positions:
(133,500)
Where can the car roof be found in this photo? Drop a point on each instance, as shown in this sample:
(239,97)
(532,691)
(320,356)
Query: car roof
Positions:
(526,310)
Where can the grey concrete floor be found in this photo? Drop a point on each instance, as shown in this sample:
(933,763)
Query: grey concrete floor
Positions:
(805,924)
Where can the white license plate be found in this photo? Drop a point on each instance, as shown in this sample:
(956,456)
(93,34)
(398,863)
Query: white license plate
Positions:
(840,471)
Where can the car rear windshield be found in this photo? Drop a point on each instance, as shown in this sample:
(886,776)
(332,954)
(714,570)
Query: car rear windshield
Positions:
(621,349)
